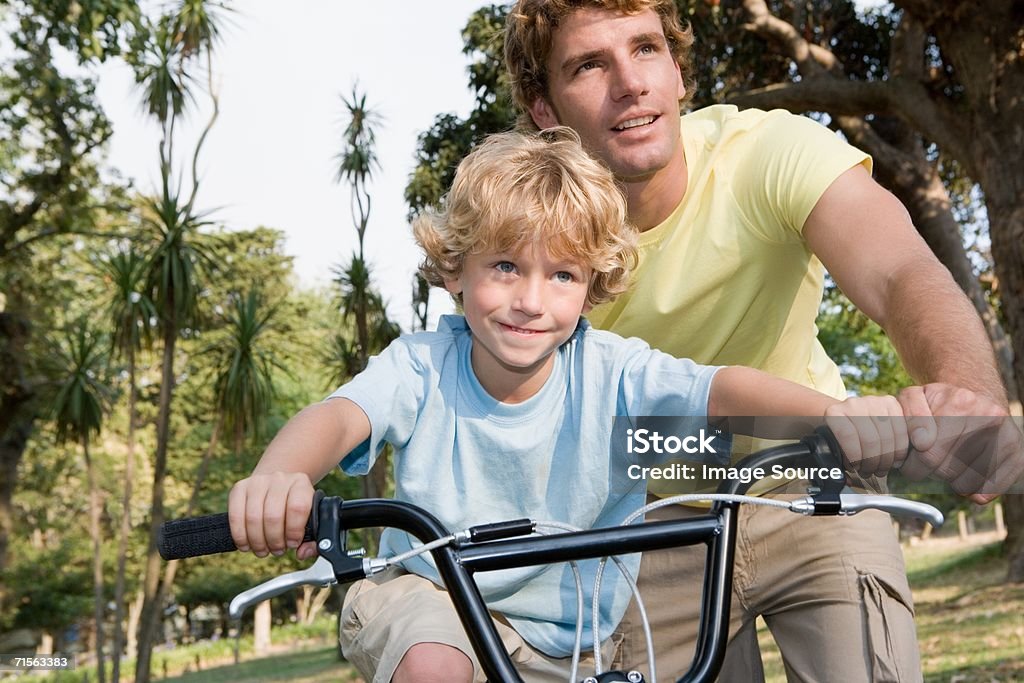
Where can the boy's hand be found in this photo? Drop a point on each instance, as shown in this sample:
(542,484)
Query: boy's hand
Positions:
(871,431)
(268,513)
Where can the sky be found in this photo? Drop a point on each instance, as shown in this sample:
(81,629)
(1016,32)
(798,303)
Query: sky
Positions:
(281,70)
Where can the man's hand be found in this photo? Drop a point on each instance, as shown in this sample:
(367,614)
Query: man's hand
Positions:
(964,438)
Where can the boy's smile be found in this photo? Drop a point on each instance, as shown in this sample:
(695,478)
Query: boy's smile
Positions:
(520,308)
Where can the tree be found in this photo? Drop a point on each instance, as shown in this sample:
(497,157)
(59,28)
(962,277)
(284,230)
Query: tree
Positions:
(173,274)
(50,127)
(928,88)
(79,401)
(243,388)
(921,86)
(440,149)
(358,301)
(130,313)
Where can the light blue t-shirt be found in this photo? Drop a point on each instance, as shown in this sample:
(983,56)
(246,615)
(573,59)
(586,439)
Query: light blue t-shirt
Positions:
(470,459)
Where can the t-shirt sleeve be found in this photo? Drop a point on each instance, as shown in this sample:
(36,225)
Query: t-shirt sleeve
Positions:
(790,162)
(655,383)
(390,392)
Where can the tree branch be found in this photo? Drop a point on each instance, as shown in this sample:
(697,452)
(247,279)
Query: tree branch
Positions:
(811,59)
(821,93)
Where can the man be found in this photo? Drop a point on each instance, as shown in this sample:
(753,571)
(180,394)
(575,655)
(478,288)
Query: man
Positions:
(738,211)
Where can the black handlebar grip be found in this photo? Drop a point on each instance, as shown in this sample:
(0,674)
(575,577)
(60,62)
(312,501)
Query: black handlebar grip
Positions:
(197,536)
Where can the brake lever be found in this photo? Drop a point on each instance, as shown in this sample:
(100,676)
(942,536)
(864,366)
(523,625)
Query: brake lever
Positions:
(320,573)
(852,503)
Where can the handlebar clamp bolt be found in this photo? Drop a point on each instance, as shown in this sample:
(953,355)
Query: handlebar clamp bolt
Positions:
(635,677)
(325,544)
(589,679)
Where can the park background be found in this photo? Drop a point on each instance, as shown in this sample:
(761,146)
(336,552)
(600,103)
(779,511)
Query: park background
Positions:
(204,226)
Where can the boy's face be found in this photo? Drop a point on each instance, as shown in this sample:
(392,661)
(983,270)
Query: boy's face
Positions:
(520,307)
(612,78)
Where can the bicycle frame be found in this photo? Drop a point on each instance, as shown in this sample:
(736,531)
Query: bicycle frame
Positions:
(492,549)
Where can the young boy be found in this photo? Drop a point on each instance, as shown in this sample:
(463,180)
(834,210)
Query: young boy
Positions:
(506,412)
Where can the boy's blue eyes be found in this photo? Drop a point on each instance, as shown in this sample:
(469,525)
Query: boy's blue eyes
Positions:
(508,268)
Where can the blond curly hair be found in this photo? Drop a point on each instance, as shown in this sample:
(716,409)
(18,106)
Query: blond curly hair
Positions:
(519,189)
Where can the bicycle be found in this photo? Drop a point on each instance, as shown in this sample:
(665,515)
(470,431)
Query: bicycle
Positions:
(506,545)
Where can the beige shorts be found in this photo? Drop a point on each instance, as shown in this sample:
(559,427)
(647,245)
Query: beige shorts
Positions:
(385,615)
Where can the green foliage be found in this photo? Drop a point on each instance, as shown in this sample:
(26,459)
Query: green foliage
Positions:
(859,347)
(130,311)
(243,382)
(176,265)
(214,581)
(440,149)
(51,586)
(50,121)
(80,396)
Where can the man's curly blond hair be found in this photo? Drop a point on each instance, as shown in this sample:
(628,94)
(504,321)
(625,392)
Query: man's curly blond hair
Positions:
(520,189)
(529,33)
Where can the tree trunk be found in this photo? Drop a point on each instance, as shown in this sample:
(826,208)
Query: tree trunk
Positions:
(261,628)
(1007,231)
(131,645)
(1013,546)
(126,526)
(95,505)
(17,417)
(152,608)
(167,584)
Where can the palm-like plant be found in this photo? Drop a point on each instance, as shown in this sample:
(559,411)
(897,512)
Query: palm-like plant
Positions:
(131,315)
(244,377)
(357,162)
(76,365)
(173,268)
(174,274)
(243,385)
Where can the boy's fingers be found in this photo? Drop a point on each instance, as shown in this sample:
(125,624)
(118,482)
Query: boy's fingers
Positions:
(254,504)
(275,507)
(846,434)
(892,431)
(299,505)
(236,515)
(306,551)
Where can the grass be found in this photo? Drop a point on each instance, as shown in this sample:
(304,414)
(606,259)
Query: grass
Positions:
(970,627)
(318,665)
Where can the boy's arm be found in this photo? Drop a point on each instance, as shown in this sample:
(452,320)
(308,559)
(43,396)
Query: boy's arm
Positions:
(268,510)
(870,429)
(738,391)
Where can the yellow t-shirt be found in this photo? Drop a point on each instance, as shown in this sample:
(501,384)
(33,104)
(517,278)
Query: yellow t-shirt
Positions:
(728,279)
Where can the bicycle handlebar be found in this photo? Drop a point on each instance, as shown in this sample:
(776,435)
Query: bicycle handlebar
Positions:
(505,545)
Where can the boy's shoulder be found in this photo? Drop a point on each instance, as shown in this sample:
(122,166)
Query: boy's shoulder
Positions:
(427,345)
(609,343)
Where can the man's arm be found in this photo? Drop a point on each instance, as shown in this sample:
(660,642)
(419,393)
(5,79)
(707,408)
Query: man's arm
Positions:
(865,238)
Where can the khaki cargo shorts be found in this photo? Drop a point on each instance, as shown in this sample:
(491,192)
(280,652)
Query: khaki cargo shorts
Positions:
(385,615)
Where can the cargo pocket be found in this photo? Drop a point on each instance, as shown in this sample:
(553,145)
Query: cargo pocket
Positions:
(889,635)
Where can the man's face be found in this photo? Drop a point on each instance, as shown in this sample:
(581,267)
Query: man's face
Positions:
(612,78)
